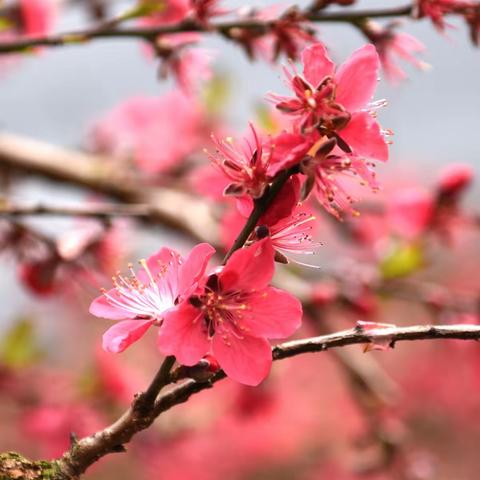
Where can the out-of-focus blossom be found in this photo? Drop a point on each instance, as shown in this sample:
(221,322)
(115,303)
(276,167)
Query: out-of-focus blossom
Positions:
(204,10)
(190,66)
(454,179)
(156,132)
(410,212)
(232,316)
(142,300)
(436,10)
(393,46)
(287,34)
(38,16)
(52,424)
(40,276)
(118,382)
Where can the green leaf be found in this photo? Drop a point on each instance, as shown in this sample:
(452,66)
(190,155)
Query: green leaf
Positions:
(215,94)
(266,119)
(402,260)
(19,347)
(144,8)
(5,24)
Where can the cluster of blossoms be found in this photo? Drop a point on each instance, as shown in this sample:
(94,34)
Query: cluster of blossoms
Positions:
(436,10)
(229,313)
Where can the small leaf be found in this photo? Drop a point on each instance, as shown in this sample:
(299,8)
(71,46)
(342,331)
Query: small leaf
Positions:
(403,260)
(19,347)
(215,94)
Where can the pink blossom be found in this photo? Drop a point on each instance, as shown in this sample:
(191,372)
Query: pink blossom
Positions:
(142,300)
(289,33)
(327,99)
(246,166)
(157,132)
(204,10)
(437,9)
(38,16)
(232,316)
(52,424)
(403,46)
(454,179)
(410,212)
(287,223)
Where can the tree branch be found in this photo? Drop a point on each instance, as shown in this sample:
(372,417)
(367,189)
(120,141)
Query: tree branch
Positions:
(224,28)
(104,210)
(90,449)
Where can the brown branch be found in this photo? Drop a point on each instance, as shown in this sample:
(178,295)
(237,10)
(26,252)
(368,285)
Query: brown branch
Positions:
(88,450)
(223,28)
(169,207)
(103,210)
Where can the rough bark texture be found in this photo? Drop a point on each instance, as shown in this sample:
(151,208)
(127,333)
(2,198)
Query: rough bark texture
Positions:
(15,467)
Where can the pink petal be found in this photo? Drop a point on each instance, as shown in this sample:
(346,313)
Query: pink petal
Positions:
(117,338)
(410,211)
(209,181)
(289,149)
(273,313)
(183,334)
(194,267)
(244,359)
(102,308)
(364,137)
(357,78)
(316,64)
(249,268)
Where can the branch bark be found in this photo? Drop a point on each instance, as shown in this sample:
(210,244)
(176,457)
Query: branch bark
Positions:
(90,449)
(80,37)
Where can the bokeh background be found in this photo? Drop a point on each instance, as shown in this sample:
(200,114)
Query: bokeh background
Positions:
(310,420)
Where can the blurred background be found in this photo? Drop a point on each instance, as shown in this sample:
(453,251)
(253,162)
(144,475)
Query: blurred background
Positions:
(409,413)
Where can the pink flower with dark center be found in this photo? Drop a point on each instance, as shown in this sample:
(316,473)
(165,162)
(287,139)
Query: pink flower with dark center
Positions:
(246,166)
(232,315)
(335,102)
(141,300)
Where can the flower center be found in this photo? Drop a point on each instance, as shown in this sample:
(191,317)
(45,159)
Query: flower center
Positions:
(148,294)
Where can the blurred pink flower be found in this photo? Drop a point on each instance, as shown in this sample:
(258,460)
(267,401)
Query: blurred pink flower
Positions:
(231,317)
(52,424)
(403,46)
(38,16)
(149,129)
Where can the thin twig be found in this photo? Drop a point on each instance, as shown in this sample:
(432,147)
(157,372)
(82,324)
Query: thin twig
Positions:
(104,210)
(90,449)
(224,28)
(259,209)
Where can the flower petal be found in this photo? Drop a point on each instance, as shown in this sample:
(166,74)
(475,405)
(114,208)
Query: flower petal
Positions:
(364,137)
(249,268)
(272,313)
(194,267)
(102,308)
(245,359)
(316,64)
(182,334)
(357,78)
(121,335)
